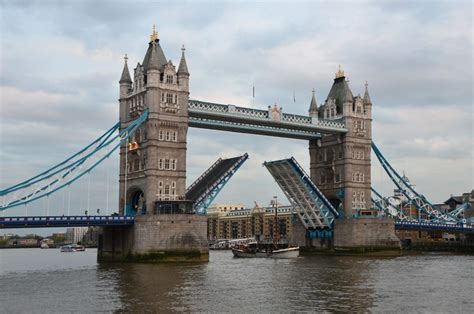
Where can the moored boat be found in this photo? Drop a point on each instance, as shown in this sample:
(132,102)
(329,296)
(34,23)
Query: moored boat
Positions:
(252,252)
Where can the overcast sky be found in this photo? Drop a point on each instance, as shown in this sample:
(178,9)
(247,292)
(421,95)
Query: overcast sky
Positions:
(61,61)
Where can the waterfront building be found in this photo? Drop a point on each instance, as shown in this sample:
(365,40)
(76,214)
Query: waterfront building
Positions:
(242,222)
(23,242)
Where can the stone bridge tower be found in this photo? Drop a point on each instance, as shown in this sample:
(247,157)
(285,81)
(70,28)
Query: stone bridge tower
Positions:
(340,164)
(153,166)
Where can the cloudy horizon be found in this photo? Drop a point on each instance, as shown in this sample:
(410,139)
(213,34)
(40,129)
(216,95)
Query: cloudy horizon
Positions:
(61,62)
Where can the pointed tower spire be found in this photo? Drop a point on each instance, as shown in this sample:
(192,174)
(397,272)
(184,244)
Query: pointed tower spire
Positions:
(125,78)
(366,94)
(183,67)
(154,63)
(313,107)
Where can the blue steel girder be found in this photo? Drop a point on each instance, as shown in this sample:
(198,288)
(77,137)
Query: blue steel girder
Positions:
(64,221)
(205,199)
(312,207)
(205,115)
(241,127)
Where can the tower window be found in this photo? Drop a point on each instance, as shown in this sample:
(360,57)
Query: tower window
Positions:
(175,136)
(169,79)
(169,98)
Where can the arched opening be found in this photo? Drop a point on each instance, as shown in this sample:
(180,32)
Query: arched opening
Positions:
(136,204)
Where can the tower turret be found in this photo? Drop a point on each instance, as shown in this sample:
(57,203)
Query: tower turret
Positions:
(125,80)
(313,108)
(367,101)
(125,88)
(183,73)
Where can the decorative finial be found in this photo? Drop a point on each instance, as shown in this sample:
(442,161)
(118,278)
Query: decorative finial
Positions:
(340,72)
(313,91)
(125,58)
(182,48)
(366,85)
(154,34)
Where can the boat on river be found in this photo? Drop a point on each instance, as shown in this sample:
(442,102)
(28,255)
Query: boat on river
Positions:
(72,248)
(253,250)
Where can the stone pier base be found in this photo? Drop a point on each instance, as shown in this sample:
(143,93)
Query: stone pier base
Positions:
(366,235)
(156,238)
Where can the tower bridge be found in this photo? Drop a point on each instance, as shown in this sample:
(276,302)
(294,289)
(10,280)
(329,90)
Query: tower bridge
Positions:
(162,218)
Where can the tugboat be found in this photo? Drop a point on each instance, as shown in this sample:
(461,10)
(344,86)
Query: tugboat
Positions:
(274,250)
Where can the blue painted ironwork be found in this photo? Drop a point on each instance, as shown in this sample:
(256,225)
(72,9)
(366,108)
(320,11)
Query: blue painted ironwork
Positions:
(64,221)
(69,171)
(415,198)
(248,128)
(249,120)
(430,226)
(385,206)
(210,184)
(312,207)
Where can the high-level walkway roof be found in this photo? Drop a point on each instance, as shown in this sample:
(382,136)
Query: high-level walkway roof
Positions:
(272,122)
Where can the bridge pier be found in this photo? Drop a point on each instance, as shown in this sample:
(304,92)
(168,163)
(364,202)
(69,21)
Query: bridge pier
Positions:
(366,235)
(156,238)
(372,236)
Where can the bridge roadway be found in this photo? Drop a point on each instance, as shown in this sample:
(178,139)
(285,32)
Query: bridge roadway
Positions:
(429,226)
(271,122)
(64,221)
(21,222)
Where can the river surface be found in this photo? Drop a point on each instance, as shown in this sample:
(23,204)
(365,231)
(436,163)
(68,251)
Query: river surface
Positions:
(46,281)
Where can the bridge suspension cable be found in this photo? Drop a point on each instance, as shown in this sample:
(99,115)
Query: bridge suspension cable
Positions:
(62,165)
(414,197)
(388,207)
(70,170)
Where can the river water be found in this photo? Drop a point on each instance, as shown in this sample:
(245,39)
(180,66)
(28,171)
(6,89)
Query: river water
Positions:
(46,281)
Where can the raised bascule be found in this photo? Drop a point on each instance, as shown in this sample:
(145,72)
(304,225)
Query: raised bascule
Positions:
(161,219)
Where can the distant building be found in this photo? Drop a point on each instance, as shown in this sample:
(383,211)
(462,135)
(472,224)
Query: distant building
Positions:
(75,235)
(223,209)
(25,242)
(239,222)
